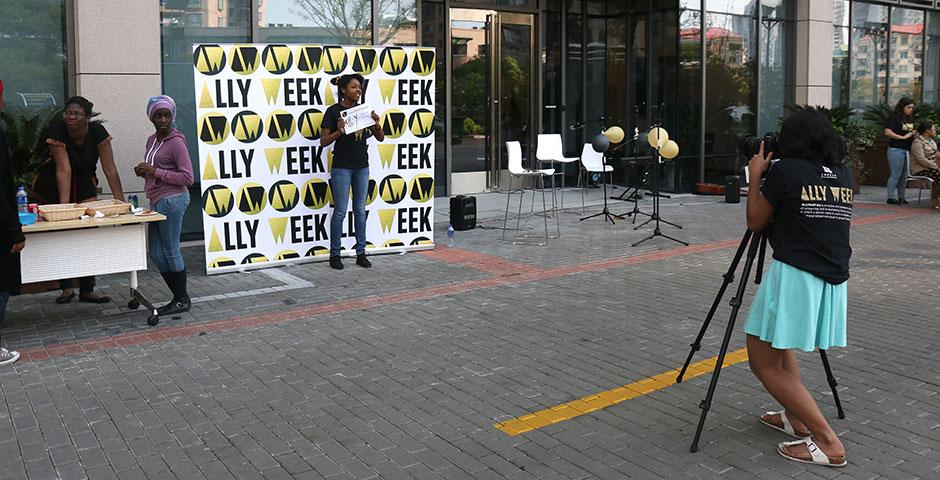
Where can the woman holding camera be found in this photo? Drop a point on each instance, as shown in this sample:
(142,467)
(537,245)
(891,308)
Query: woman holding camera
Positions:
(900,132)
(924,157)
(805,205)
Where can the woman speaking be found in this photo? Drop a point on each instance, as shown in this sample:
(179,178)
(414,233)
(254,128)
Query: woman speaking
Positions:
(350,168)
(805,203)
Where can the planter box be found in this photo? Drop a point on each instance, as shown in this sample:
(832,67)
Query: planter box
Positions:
(876,162)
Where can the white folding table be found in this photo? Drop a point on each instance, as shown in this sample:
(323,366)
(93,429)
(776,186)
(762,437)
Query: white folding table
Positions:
(93,246)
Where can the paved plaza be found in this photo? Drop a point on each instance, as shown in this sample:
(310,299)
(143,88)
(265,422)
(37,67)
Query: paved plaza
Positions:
(471,361)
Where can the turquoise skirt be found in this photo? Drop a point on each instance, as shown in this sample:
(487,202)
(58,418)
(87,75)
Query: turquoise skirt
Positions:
(796,309)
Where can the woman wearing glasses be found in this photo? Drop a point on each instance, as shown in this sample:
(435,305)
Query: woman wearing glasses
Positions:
(76,146)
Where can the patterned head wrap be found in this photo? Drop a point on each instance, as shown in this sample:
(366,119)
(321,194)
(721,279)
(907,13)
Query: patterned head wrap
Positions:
(161,101)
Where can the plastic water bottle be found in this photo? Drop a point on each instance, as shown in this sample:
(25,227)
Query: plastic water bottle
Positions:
(450,235)
(22,201)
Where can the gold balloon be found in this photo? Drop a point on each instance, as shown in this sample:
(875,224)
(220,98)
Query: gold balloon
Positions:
(614,134)
(657,137)
(669,150)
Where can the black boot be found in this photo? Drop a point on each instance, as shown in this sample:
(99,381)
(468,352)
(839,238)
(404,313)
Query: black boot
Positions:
(180,302)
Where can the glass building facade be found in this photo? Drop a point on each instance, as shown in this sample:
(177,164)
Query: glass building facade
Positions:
(882,53)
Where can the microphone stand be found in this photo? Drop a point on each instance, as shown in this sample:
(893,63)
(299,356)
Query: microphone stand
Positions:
(635,194)
(657,232)
(604,174)
(636,188)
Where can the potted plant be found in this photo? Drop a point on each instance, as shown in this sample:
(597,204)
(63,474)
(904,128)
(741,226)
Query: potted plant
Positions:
(25,131)
(859,135)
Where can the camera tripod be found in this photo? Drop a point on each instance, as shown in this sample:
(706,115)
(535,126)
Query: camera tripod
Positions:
(752,241)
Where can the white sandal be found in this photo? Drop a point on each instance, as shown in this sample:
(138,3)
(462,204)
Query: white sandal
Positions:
(819,458)
(787,426)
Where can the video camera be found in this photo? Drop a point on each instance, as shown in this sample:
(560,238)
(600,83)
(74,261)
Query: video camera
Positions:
(749,145)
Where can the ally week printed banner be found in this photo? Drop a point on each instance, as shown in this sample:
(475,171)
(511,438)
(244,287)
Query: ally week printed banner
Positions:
(265,179)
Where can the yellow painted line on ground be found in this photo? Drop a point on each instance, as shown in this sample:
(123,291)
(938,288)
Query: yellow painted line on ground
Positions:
(598,401)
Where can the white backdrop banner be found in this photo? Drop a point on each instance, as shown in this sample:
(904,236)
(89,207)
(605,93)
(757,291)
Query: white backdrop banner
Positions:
(265,179)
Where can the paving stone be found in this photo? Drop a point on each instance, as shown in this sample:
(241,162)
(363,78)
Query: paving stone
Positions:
(410,387)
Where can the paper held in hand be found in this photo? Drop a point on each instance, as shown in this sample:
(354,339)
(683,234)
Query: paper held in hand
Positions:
(357,118)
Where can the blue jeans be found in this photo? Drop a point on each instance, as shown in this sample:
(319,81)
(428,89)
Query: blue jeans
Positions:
(4,297)
(340,181)
(898,159)
(164,237)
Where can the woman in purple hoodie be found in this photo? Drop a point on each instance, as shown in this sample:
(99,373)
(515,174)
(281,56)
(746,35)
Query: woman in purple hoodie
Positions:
(167,173)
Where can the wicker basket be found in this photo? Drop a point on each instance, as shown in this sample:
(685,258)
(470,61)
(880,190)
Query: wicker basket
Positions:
(109,207)
(61,211)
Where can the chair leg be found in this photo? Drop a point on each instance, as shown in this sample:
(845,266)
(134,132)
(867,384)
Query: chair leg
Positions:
(562,186)
(508,196)
(558,212)
(544,206)
(521,197)
(581,173)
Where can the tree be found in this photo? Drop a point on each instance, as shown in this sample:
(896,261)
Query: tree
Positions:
(349,21)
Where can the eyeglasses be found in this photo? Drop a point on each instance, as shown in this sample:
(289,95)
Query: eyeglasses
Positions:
(74,114)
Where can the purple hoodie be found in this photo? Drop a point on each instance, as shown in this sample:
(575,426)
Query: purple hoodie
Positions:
(170,157)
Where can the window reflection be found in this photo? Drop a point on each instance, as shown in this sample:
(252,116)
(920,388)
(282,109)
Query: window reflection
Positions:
(737,7)
(730,99)
(690,80)
(596,65)
(840,53)
(775,43)
(344,22)
(869,44)
(907,50)
(932,59)
(397,23)
(433,34)
(574,90)
(32,53)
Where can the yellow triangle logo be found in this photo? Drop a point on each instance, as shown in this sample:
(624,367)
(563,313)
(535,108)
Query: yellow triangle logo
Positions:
(215,245)
(386,218)
(208,173)
(385,154)
(278,228)
(328,96)
(387,87)
(274,156)
(272,86)
(205,100)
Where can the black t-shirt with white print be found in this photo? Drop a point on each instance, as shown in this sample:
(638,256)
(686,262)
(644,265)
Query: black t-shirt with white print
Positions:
(812,216)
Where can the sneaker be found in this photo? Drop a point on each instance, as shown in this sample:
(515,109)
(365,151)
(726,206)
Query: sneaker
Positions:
(903,201)
(336,263)
(892,201)
(8,356)
(362,261)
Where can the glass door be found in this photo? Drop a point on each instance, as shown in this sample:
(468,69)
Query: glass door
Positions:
(492,67)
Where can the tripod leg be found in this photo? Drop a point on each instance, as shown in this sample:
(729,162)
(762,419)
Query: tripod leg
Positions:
(832,383)
(760,260)
(728,278)
(735,306)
